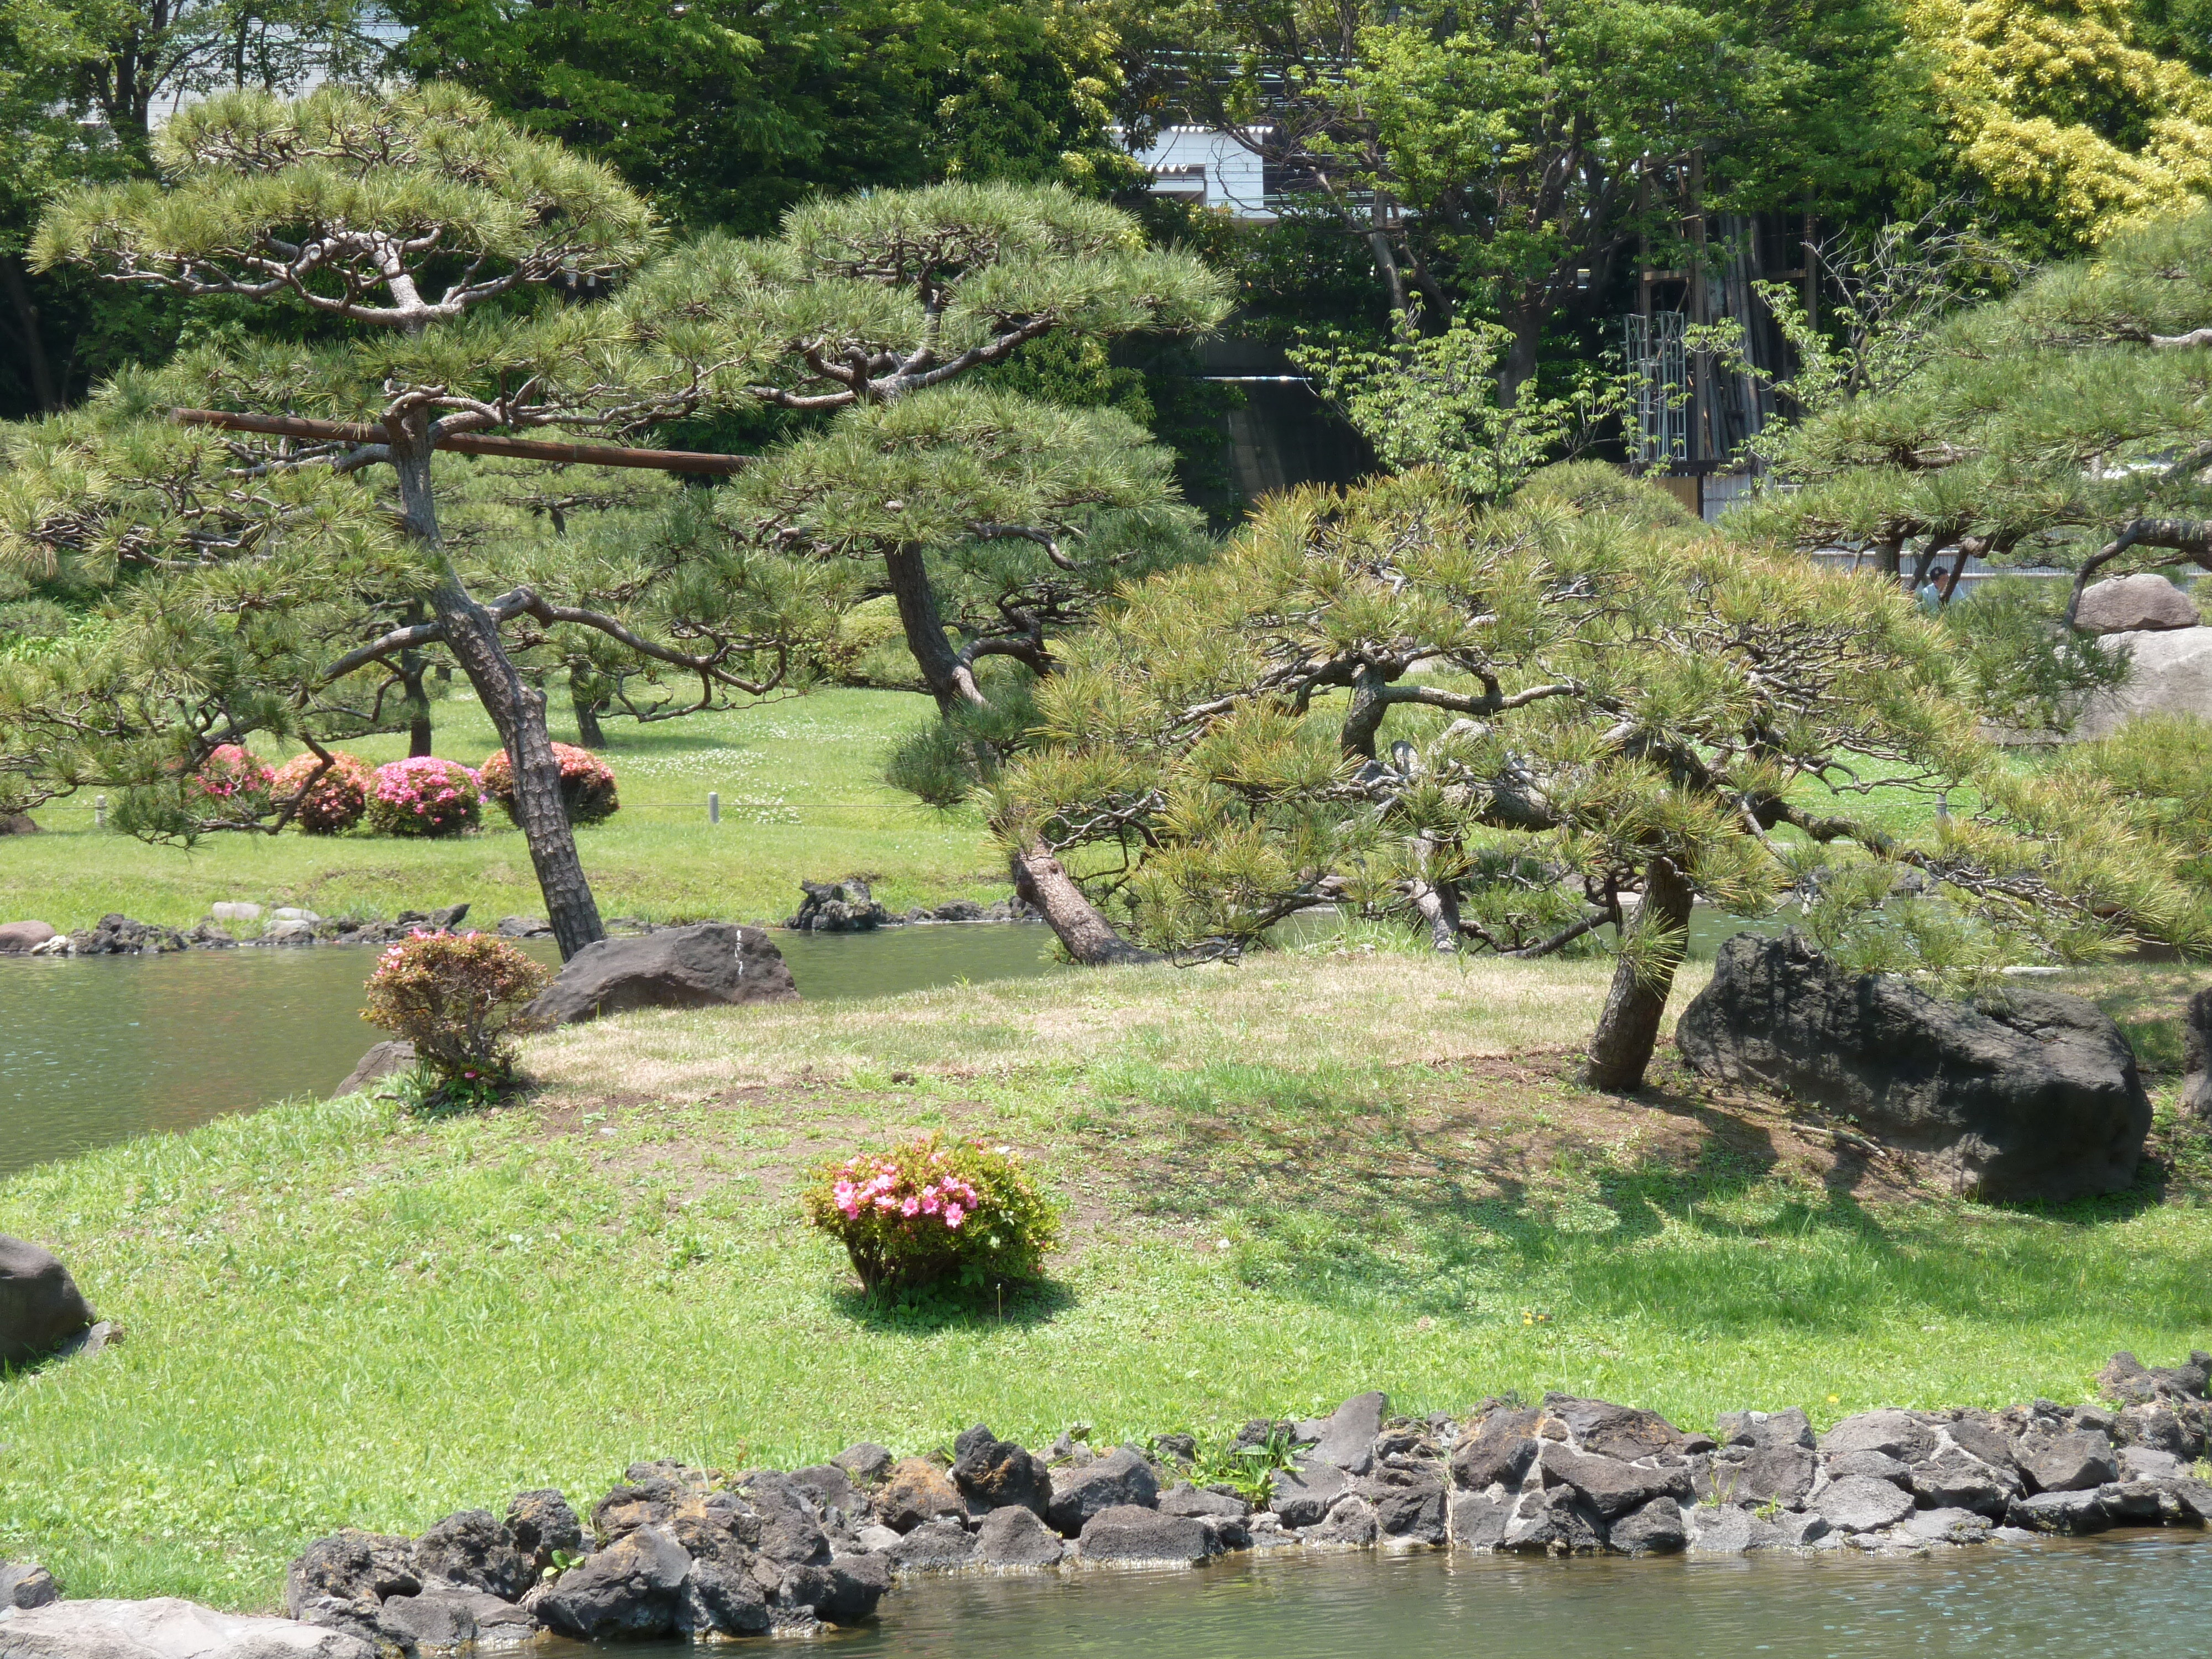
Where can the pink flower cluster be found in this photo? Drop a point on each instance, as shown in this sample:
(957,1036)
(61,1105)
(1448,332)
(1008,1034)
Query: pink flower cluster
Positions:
(868,1183)
(423,795)
(232,770)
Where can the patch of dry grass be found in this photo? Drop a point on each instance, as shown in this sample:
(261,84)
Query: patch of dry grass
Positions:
(1292,1011)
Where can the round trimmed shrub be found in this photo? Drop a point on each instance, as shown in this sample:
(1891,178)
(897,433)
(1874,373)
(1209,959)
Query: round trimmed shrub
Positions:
(588,783)
(459,1000)
(425,796)
(335,801)
(933,1211)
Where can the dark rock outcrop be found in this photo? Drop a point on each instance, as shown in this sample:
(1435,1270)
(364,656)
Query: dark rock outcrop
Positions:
(994,1473)
(40,1307)
(838,906)
(472,1550)
(541,1525)
(708,964)
(1120,1479)
(632,1589)
(27,1585)
(1130,1534)
(120,936)
(1014,1537)
(2021,1095)
(916,1493)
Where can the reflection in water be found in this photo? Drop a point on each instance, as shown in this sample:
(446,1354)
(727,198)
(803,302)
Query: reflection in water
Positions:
(97,1049)
(2144,1593)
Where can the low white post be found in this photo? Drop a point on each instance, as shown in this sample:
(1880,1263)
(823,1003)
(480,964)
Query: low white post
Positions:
(714,806)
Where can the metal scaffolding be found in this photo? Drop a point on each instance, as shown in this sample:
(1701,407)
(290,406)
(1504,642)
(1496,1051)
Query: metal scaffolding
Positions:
(1657,359)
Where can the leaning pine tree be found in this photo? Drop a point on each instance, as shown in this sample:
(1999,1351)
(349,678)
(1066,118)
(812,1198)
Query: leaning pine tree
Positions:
(436,244)
(1527,724)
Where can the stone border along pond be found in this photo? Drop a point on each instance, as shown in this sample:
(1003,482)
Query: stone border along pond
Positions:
(678,1551)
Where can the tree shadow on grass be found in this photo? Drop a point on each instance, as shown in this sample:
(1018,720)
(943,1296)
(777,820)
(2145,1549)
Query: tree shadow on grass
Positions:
(1492,1185)
(928,1311)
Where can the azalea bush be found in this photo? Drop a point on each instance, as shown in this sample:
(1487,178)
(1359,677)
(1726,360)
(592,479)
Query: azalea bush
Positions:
(232,779)
(425,796)
(588,783)
(333,802)
(459,1000)
(933,1211)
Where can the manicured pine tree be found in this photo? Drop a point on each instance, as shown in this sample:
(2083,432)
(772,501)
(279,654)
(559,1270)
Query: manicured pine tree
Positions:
(420,226)
(1527,723)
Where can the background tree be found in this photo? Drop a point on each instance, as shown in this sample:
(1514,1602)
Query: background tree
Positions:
(2066,423)
(727,112)
(2068,116)
(1533,721)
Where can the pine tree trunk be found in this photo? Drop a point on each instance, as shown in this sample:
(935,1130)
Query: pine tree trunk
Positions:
(1628,1029)
(1090,939)
(411,667)
(947,677)
(517,711)
(587,707)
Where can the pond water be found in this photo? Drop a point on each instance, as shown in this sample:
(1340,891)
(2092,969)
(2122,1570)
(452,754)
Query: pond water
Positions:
(2132,1593)
(95,1049)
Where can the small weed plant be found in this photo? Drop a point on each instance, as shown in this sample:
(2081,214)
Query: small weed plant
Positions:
(425,796)
(335,801)
(588,783)
(459,1001)
(957,1214)
(1246,1469)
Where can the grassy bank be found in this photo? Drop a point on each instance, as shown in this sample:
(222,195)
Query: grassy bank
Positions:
(801,796)
(1287,1182)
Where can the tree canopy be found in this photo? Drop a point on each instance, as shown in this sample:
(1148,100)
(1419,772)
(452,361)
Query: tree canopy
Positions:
(1529,722)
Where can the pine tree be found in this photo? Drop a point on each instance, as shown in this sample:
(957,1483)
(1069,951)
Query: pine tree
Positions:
(1527,723)
(438,244)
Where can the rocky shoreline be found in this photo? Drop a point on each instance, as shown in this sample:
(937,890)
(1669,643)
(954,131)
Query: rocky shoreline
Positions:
(679,1552)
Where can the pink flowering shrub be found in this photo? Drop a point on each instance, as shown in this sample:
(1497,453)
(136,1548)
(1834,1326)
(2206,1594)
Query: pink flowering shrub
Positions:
(934,1210)
(588,783)
(459,1000)
(425,796)
(335,801)
(233,780)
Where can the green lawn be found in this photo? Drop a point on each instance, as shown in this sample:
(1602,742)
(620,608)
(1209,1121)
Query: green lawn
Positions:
(1287,1182)
(801,796)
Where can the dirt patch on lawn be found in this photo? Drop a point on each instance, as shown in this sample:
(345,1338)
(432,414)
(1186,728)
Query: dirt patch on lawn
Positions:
(1485,1128)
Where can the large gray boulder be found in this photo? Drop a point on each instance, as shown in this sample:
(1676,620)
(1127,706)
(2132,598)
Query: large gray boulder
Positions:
(165,1628)
(2020,1095)
(383,1059)
(40,1306)
(2196,1057)
(17,937)
(709,964)
(2170,672)
(2128,605)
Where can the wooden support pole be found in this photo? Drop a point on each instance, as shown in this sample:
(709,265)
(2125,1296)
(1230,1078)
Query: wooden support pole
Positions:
(472,443)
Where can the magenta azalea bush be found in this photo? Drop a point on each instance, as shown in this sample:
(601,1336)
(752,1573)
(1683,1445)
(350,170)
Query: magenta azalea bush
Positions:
(588,783)
(935,1210)
(425,796)
(233,778)
(335,801)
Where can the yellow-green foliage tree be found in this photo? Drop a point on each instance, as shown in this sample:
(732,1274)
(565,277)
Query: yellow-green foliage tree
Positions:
(2065,116)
